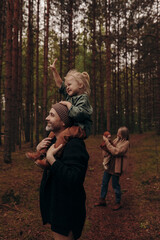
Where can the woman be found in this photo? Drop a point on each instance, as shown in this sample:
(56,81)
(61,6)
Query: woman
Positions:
(117,165)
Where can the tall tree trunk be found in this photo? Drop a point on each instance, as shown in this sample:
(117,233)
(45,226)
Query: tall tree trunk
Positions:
(94,67)
(7,129)
(15,74)
(108,64)
(2,23)
(45,67)
(32,79)
(119,103)
(145,120)
(28,75)
(37,78)
(84,47)
(158,72)
(61,41)
(74,47)
(127,113)
(132,97)
(139,93)
(70,34)
(101,116)
(114,99)
(19,100)
(139,78)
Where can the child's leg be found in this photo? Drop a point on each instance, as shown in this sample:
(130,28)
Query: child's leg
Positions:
(51,135)
(39,154)
(42,163)
(68,133)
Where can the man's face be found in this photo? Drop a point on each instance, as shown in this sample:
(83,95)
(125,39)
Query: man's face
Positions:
(54,123)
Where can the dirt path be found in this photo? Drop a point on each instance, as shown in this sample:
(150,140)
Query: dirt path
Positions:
(102,222)
(139,219)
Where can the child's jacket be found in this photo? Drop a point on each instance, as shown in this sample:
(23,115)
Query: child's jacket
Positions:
(80,111)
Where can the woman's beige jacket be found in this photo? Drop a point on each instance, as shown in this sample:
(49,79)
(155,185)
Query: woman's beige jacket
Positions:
(119,151)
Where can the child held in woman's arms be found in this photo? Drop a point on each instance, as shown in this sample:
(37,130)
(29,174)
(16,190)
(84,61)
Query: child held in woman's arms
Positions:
(105,153)
(76,90)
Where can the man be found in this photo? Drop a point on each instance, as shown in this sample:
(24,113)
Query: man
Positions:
(62,195)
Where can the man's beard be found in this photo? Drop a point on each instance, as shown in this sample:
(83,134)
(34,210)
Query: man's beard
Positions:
(48,128)
(54,128)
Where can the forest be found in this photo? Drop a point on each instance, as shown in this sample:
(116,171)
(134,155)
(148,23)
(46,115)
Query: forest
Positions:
(116,41)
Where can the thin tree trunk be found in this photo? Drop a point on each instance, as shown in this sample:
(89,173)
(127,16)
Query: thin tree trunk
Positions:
(101,117)
(37,78)
(15,74)
(70,34)
(84,47)
(108,65)
(2,23)
(31,78)
(74,47)
(28,80)
(114,99)
(139,80)
(20,75)
(158,73)
(94,68)
(45,68)
(7,129)
(127,113)
(61,41)
(119,103)
(132,96)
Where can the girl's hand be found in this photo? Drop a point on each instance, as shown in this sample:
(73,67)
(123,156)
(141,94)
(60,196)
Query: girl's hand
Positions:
(44,143)
(105,139)
(53,66)
(66,103)
(51,152)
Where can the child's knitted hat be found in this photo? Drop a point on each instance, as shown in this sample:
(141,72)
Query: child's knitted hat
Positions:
(62,111)
(103,145)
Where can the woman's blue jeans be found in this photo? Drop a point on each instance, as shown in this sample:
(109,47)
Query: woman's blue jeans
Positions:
(115,185)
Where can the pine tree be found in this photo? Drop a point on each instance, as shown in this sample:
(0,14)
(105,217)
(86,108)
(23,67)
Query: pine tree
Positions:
(37,78)
(15,74)
(2,38)
(46,36)
(8,118)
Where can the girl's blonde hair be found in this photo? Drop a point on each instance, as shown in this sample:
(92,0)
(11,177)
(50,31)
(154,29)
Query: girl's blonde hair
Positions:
(81,78)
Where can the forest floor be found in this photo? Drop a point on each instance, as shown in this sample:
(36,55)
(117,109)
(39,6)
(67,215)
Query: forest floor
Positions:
(138,219)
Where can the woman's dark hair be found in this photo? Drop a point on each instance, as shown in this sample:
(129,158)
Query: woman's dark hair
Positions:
(124,132)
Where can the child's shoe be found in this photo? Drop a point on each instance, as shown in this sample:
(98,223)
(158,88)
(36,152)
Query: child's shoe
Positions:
(42,163)
(34,155)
